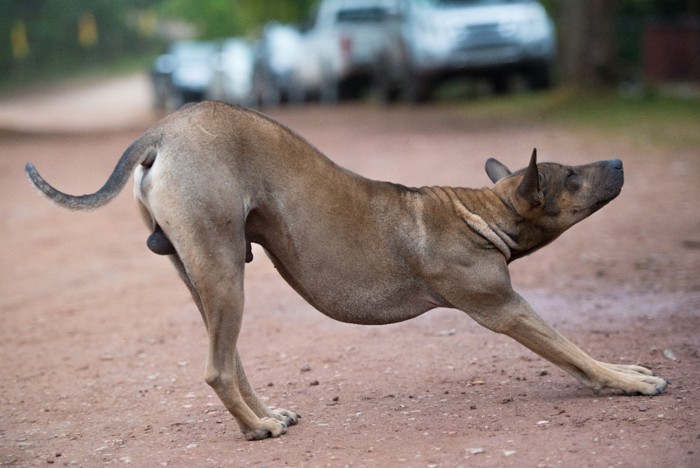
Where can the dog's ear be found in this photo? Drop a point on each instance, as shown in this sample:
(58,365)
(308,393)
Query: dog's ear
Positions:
(529,188)
(496,170)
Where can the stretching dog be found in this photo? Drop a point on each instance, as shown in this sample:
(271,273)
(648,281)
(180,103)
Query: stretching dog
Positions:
(211,179)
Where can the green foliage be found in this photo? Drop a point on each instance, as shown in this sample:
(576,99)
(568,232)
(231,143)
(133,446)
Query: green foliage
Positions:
(40,37)
(657,117)
(45,37)
(222,18)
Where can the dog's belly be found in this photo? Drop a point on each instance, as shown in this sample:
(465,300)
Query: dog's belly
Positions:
(365,299)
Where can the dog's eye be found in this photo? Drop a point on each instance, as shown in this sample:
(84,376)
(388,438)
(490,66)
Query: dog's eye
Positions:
(573,181)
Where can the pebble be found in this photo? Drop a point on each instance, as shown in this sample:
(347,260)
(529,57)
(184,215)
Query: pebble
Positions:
(475,450)
(670,355)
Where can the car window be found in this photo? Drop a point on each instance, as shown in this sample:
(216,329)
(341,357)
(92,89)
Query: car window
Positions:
(361,15)
(472,2)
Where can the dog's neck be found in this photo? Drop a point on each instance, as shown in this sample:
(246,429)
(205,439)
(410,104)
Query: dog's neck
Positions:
(500,223)
(485,228)
(466,204)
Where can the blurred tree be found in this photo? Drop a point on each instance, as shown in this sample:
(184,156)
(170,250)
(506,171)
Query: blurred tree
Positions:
(48,36)
(600,40)
(39,37)
(587,41)
(223,18)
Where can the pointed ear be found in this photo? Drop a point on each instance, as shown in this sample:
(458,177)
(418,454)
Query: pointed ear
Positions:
(496,170)
(529,188)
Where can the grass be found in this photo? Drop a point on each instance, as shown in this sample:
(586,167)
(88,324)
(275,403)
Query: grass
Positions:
(67,75)
(648,118)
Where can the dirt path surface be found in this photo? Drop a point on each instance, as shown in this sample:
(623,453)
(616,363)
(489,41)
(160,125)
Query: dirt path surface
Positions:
(102,351)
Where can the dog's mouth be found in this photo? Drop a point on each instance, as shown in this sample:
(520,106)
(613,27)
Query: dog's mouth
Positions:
(613,184)
(611,191)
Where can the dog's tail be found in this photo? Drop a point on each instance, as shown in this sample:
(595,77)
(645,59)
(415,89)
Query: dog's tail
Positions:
(142,151)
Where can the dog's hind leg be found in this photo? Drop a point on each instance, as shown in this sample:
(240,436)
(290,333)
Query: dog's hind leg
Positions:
(249,396)
(212,266)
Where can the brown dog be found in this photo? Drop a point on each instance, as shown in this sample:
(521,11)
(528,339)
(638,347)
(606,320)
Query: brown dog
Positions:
(211,178)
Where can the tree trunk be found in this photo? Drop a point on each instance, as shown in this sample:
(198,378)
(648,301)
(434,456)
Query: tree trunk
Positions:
(587,45)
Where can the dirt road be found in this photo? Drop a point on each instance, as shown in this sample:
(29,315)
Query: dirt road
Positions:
(102,351)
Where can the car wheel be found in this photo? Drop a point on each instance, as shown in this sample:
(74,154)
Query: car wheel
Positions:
(415,88)
(384,84)
(501,84)
(539,76)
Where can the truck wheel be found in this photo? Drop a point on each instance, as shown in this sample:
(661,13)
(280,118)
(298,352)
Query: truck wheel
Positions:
(539,76)
(416,89)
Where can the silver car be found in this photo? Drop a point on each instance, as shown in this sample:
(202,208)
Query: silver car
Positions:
(487,38)
(183,74)
(232,80)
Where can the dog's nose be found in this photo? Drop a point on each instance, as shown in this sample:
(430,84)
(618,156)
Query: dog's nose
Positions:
(616,164)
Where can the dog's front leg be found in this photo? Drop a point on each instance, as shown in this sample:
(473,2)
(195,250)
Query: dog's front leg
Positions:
(512,315)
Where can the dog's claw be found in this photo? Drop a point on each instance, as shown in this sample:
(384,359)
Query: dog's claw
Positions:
(290,418)
(633,379)
(272,428)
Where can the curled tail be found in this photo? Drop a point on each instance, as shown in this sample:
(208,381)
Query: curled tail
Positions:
(142,151)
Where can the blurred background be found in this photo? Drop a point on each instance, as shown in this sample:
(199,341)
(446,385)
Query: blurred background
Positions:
(266,53)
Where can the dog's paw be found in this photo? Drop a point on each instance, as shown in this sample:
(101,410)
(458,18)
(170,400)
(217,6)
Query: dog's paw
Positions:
(290,418)
(270,427)
(634,380)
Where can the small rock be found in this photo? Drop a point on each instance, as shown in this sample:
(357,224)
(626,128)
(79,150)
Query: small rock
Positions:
(475,450)
(509,453)
(306,368)
(691,244)
(448,332)
(191,446)
(313,383)
(542,422)
(670,355)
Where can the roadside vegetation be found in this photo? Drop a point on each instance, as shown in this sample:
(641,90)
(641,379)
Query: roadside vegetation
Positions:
(661,116)
(54,42)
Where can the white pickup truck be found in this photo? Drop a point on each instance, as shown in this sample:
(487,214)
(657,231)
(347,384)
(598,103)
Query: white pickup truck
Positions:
(342,50)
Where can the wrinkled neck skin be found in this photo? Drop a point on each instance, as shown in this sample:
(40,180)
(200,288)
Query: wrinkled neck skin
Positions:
(496,220)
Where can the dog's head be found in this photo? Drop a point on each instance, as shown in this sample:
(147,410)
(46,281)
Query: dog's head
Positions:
(550,198)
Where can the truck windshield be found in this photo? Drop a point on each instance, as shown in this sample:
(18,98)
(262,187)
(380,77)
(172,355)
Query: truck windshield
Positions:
(361,15)
(473,2)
